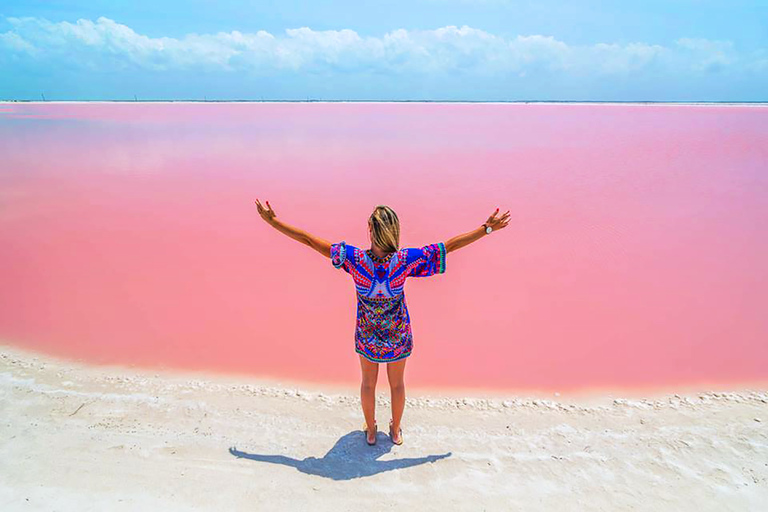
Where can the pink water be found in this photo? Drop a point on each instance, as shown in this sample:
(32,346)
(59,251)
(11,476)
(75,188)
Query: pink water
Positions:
(636,254)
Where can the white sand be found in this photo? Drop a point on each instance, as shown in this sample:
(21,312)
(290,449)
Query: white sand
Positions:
(79,437)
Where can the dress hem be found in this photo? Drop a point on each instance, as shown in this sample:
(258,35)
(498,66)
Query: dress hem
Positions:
(402,356)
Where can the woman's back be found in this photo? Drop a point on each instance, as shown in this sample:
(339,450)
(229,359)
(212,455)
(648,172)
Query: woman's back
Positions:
(383,331)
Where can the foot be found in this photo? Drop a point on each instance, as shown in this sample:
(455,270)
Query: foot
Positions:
(395,435)
(370,434)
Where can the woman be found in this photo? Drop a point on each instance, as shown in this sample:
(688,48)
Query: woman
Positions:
(383,331)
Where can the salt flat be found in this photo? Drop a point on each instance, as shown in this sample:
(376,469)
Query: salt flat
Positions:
(86,437)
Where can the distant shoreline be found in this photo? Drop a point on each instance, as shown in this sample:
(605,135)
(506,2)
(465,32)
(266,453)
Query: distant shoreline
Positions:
(450,102)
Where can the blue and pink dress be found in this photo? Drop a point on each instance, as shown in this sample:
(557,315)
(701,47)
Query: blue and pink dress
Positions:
(383,331)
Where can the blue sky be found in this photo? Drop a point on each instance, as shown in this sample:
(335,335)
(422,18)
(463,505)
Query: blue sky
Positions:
(657,50)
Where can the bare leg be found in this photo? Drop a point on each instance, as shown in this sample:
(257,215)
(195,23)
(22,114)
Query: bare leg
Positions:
(368,394)
(395,372)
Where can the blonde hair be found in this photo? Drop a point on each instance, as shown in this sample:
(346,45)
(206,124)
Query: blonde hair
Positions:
(386,228)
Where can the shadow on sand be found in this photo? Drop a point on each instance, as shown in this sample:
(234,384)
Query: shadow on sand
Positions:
(349,458)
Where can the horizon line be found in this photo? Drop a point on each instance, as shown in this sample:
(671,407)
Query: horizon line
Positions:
(586,102)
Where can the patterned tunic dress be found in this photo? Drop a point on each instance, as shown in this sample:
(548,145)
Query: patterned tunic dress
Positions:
(383,331)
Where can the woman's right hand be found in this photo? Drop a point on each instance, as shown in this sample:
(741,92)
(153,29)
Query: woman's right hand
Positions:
(498,222)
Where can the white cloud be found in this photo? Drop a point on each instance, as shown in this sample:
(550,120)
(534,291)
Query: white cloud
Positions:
(616,59)
(16,43)
(105,44)
(708,55)
(541,50)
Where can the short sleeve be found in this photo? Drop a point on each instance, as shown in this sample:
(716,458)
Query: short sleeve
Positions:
(343,256)
(426,261)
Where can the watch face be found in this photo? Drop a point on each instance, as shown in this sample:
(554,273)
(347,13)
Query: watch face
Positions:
(488,229)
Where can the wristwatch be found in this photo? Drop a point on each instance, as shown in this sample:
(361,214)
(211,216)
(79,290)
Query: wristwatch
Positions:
(488,229)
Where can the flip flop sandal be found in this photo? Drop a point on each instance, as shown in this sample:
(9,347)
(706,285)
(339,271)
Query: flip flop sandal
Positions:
(365,430)
(390,433)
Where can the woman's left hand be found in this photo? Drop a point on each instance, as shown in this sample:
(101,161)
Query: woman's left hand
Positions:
(268,214)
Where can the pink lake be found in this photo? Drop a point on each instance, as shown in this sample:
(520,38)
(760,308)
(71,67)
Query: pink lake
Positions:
(636,255)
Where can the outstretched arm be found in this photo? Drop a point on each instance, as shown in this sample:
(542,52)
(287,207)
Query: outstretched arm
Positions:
(320,245)
(467,238)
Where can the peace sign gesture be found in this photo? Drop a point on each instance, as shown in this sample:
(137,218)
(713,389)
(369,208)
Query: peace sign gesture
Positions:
(268,214)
